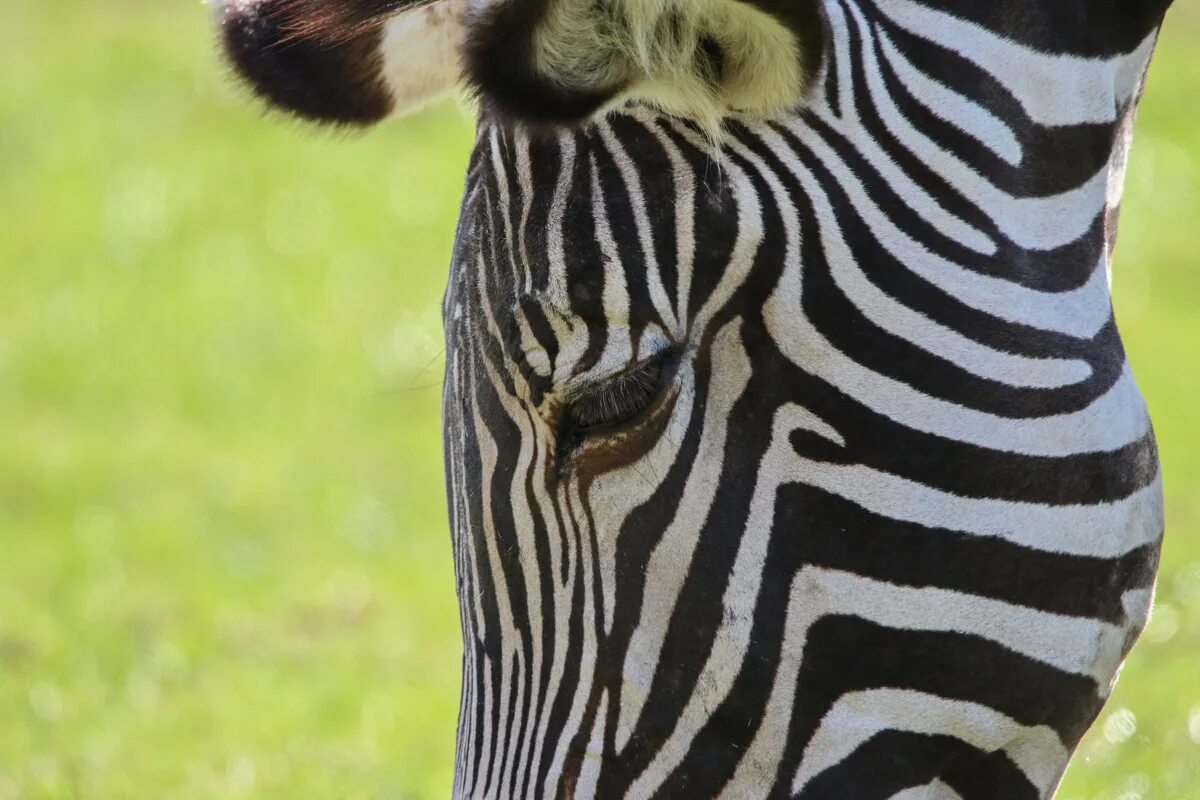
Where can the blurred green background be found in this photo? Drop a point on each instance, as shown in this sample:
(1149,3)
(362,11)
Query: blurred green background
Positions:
(224,562)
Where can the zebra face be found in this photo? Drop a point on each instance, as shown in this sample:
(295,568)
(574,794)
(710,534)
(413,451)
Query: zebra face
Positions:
(798,455)
(701,461)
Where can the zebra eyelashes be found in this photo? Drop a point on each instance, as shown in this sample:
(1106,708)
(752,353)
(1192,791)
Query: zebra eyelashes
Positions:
(617,404)
(617,400)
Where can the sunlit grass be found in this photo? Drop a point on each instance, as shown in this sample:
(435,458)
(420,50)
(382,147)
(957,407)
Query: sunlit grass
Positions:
(224,566)
(224,563)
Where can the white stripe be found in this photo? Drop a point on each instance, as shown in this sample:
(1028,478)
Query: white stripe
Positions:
(1115,419)
(1036,223)
(589,772)
(911,193)
(637,202)
(934,790)
(685,226)
(668,565)
(958,110)
(583,621)
(855,718)
(525,182)
(1079,312)
(1055,90)
(905,323)
(504,203)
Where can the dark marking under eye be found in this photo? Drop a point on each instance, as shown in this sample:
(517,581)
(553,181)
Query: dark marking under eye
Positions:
(615,403)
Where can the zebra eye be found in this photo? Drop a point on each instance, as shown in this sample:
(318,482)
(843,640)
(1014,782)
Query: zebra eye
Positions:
(617,400)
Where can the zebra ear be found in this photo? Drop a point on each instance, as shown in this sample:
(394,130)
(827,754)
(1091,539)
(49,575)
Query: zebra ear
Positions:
(345,62)
(562,61)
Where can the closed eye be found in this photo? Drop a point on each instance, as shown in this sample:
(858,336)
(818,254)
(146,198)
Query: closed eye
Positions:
(617,400)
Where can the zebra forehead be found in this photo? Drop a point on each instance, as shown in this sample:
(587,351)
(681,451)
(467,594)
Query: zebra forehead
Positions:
(574,223)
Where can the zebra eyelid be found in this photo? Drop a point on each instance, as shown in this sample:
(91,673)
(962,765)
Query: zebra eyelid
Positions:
(650,378)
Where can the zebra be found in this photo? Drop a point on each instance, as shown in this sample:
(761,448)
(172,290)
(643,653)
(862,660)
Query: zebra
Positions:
(791,447)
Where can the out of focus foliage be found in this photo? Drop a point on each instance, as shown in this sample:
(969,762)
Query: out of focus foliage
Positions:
(224,563)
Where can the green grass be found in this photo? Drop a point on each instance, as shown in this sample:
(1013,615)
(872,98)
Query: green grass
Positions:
(224,563)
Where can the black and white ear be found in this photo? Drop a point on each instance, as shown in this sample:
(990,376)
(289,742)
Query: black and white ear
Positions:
(562,61)
(345,62)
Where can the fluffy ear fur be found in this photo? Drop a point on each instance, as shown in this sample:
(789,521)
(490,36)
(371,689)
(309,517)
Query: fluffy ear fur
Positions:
(346,62)
(561,61)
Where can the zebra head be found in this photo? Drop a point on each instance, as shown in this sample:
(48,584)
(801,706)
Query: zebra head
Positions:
(791,447)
